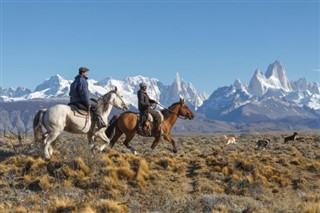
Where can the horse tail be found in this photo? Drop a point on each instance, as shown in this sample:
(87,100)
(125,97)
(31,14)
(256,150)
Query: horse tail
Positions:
(111,128)
(37,125)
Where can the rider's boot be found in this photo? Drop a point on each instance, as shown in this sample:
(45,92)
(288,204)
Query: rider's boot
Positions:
(140,124)
(158,130)
(100,122)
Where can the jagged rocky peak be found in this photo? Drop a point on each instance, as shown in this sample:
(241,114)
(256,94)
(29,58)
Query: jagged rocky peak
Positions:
(302,85)
(177,83)
(314,88)
(257,85)
(12,92)
(277,71)
(274,79)
(237,84)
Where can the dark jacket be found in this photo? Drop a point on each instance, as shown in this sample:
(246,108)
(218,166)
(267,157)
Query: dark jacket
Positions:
(79,91)
(144,102)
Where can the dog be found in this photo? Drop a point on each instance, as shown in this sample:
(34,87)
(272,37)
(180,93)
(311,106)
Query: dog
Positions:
(262,144)
(291,137)
(230,139)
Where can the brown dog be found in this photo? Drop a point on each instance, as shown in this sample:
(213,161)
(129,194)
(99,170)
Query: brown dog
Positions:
(290,138)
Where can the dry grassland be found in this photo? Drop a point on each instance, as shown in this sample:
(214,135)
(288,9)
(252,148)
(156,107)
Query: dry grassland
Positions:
(205,176)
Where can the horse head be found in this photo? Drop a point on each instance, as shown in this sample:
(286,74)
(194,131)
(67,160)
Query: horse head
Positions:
(183,109)
(115,98)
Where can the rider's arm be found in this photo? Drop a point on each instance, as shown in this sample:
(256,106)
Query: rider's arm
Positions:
(142,99)
(84,92)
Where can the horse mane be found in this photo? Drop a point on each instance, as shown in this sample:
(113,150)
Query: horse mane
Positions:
(167,112)
(173,105)
(104,98)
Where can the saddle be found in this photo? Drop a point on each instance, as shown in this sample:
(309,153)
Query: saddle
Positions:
(79,108)
(82,110)
(148,125)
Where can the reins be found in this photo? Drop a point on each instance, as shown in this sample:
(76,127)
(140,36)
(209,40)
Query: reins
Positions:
(109,102)
(179,116)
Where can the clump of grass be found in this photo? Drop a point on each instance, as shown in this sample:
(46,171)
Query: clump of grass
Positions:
(45,182)
(225,171)
(312,197)
(82,166)
(312,208)
(107,205)
(20,209)
(63,205)
(142,172)
(86,209)
(313,166)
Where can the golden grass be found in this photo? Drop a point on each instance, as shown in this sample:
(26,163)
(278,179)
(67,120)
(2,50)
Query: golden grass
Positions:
(107,205)
(284,177)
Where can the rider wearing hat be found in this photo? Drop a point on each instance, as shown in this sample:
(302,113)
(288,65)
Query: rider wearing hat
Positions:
(144,103)
(79,93)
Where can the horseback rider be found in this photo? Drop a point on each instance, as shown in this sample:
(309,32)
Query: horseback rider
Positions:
(144,106)
(79,94)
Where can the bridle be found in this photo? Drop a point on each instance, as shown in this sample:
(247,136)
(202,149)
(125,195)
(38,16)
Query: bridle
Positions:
(109,102)
(179,116)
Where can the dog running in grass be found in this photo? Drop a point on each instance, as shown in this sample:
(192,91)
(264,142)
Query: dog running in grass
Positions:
(291,137)
(262,144)
(230,139)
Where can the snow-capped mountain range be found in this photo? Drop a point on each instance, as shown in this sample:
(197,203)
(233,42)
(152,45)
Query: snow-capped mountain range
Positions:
(269,96)
(58,87)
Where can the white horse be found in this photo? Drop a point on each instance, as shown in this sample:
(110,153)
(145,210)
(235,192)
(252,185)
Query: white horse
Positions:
(60,117)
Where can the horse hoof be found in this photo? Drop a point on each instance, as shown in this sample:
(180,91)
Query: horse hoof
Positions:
(175,151)
(92,146)
(102,147)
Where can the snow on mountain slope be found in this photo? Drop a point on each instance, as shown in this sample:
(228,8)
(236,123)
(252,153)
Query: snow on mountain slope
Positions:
(274,79)
(57,87)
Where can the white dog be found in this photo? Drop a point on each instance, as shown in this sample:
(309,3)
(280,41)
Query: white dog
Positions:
(230,139)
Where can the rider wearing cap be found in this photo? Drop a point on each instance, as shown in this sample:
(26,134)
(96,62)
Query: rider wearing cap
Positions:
(79,93)
(144,103)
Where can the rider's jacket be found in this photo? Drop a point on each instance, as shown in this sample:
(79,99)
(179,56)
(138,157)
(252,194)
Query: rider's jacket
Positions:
(79,91)
(144,101)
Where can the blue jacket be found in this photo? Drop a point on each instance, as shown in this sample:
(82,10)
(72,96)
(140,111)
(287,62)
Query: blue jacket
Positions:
(79,91)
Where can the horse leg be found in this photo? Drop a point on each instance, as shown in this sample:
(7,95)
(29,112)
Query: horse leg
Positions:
(48,150)
(155,142)
(127,143)
(115,138)
(91,140)
(103,136)
(170,139)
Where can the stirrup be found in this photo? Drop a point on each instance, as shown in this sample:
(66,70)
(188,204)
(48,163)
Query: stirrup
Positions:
(100,123)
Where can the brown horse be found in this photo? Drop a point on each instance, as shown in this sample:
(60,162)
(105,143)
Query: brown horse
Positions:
(127,123)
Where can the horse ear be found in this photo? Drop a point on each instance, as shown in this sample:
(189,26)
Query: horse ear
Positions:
(181,100)
(115,89)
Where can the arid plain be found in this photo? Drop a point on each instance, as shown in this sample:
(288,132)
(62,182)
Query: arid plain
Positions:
(206,175)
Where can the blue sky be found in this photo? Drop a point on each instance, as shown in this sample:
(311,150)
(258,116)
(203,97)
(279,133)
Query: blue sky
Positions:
(209,43)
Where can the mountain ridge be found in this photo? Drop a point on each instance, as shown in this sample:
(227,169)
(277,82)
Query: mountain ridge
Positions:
(269,97)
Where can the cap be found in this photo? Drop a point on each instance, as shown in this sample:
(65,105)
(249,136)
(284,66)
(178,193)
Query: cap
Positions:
(83,69)
(143,85)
